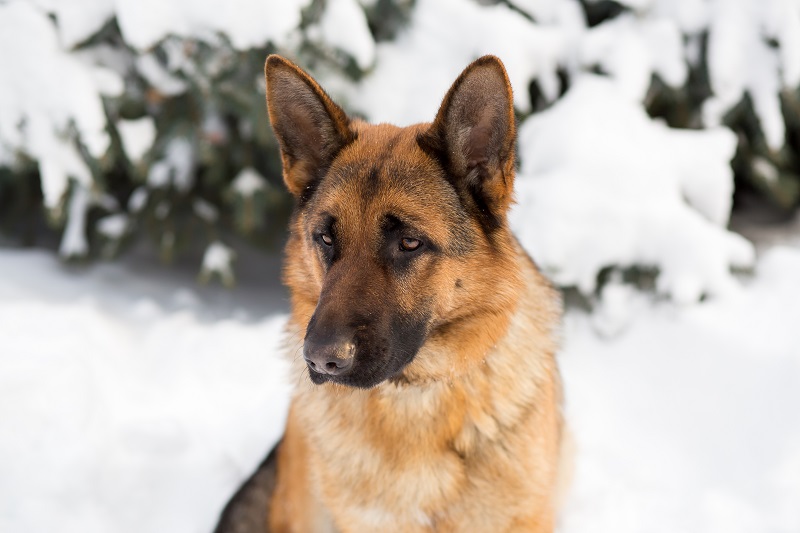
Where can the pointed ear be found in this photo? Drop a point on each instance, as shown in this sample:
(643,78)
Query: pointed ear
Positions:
(474,134)
(310,127)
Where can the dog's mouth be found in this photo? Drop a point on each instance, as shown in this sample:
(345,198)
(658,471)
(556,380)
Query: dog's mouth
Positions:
(356,382)
(362,355)
(364,374)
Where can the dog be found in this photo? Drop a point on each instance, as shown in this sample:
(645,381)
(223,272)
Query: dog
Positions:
(428,396)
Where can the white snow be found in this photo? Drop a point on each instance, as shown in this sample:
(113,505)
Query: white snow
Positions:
(176,168)
(218,260)
(248,181)
(247,23)
(138,199)
(659,37)
(344,26)
(137,137)
(113,226)
(413,72)
(688,422)
(740,59)
(616,307)
(159,77)
(601,184)
(631,50)
(43,92)
(132,402)
(73,240)
(78,19)
(557,12)
(127,403)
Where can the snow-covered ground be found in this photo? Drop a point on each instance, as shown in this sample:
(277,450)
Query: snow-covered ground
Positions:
(135,401)
(130,401)
(690,420)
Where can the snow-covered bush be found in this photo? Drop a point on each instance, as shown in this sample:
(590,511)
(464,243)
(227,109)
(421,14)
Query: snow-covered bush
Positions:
(716,62)
(119,118)
(603,185)
(148,116)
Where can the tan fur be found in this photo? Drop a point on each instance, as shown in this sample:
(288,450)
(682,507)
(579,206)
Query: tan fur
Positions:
(466,437)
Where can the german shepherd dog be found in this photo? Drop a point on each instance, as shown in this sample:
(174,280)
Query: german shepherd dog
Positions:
(427,396)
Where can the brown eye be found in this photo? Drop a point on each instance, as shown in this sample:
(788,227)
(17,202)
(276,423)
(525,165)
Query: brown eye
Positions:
(409,245)
(326,239)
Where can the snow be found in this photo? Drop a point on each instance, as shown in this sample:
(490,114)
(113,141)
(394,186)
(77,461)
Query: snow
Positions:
(558,12)
(688,422)
(138,199)
(403,88)
(127,403)
(631,50)
(616,308)
(740,59)
(78,19)
(602,184)
(131,401)
(34,116)
(73,240)
(247,23)
(157,76)
(176,168)
(218,260)
(113,226)
(137,137)
(344,26)
(659,37)
(248,181)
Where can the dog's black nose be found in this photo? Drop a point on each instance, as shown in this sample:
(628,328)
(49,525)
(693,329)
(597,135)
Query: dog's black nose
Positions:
(332,358)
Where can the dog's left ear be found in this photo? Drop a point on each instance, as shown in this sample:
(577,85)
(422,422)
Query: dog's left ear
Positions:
(474,133)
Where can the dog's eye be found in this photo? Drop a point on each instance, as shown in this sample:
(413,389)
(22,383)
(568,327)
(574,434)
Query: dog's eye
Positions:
(409,245)
(326,239)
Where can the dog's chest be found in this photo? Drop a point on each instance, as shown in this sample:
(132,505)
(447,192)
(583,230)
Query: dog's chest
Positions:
(388,458)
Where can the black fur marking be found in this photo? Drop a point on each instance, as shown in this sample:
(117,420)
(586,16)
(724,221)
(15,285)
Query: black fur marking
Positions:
(308,192)
(393,230)
(312,185)
(382,357)
(482,210)
(373,180)
(329,252)
(377,168)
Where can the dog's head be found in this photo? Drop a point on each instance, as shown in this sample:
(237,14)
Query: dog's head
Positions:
(399,238)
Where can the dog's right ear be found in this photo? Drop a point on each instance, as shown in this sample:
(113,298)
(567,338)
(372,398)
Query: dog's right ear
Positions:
(310,127)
